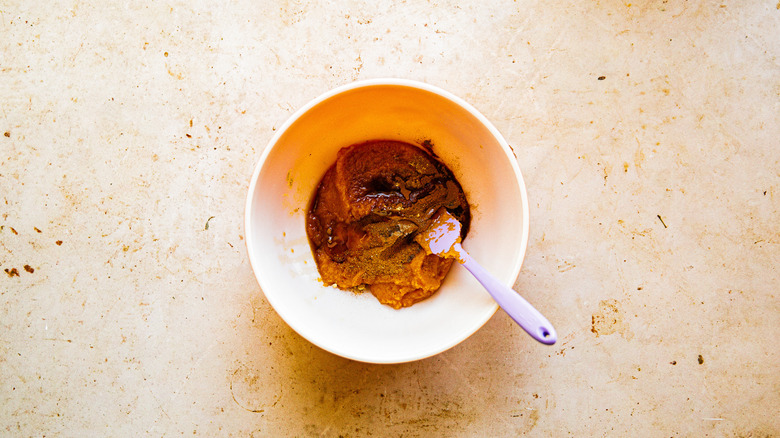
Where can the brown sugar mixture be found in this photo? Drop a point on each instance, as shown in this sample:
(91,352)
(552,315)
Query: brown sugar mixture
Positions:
(365,215)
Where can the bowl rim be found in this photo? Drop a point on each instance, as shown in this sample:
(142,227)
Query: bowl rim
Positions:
(367,83)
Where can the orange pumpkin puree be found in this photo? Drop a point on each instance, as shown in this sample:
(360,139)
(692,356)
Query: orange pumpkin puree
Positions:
(367,211)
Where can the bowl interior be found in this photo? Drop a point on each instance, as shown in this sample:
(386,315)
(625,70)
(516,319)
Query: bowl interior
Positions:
(357,326)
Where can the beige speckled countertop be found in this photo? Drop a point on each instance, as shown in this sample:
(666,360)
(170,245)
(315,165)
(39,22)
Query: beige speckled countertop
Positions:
(648,134)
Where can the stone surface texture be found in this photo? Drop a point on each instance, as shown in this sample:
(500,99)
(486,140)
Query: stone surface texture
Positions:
(648,134)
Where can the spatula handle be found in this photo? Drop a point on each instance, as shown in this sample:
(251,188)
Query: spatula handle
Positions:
(513,304)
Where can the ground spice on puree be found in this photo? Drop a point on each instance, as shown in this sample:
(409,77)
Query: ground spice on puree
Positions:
(366,212)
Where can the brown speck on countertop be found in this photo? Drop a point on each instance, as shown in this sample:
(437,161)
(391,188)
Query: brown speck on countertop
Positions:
(601,78)
(674,362)
(13,230)
(701,360)
(59,242)
(29,269)
(13,272)
(7,134)
(37,230)
(609,319)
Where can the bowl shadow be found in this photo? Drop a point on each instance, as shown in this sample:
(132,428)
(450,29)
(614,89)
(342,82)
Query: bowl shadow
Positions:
(329,395)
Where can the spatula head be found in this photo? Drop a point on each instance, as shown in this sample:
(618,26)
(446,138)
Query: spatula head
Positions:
(441,236)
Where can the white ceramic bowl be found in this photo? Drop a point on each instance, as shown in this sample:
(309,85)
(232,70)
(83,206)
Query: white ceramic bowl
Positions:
(357,326)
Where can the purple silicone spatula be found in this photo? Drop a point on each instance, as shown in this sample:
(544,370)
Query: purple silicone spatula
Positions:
(443,239)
